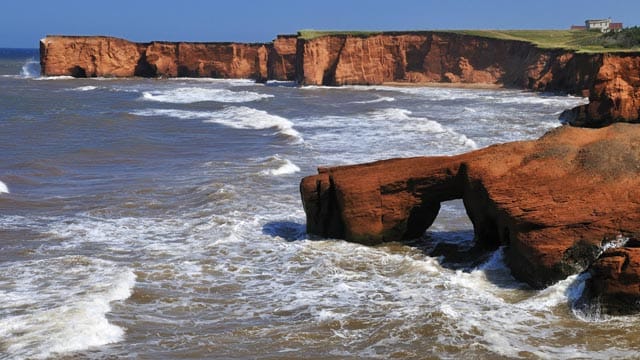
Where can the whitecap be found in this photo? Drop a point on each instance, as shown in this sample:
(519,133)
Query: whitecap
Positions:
(285,166)
(408,122)
(238,117)
(3,188)
(85,88)
(377,100)
(68,298)
(230,82)
(390,114)
(187,95)
(53,78)
(30,69)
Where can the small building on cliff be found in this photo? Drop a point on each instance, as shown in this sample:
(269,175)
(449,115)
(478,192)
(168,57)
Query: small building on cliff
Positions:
(602,25)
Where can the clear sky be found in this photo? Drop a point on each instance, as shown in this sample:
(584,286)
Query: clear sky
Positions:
(24,23)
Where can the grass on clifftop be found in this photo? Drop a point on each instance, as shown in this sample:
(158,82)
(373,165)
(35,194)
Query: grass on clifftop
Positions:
(577,40)
(310,34)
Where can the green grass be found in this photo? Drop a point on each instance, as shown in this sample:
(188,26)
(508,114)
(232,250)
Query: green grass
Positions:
(309,34)
(576,40)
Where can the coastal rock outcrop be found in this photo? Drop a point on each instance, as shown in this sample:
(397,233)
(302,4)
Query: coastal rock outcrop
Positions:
(554,203)
(614,93)
(90,56)
(615,280)
(101,56)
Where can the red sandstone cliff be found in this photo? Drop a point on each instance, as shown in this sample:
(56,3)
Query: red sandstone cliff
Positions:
(282,58)
(89,56)
(112,57)
(611,81)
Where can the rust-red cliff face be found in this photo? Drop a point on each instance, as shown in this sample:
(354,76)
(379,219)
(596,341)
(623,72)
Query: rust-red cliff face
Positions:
(100,56)
(611,80)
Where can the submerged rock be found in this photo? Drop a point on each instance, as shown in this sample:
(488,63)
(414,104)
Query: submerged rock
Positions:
(554,203)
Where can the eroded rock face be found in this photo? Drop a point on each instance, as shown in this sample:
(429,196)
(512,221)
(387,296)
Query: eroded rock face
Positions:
(614,95)
(611,81)
(93,56)
(84,56)
(615,279)
(553,202)
(282,58)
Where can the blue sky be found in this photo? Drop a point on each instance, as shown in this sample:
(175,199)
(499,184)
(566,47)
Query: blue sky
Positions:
(23,23)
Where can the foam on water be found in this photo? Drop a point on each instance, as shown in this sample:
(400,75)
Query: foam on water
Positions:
(377,100)
(194,94)
(30,69)
(382,133)
(85,88)
(66,300)
(3,188)
(238,117)
(230,82)
(284,166)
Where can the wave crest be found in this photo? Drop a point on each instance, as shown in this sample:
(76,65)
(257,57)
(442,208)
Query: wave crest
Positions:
(237,117)
(187,95)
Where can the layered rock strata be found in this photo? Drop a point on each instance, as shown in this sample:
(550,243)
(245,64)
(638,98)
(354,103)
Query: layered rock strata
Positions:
(554,203)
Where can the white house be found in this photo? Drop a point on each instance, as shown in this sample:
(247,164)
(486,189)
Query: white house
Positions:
(603,25)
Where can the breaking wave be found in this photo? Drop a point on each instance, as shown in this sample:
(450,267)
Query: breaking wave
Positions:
(416,123)
(374,101)
(3,188)
(284,166)
(30,69)
(238,117)
(84,88)
(187,95)
(68,298)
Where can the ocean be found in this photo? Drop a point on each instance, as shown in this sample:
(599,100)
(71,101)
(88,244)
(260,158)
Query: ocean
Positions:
(161,219)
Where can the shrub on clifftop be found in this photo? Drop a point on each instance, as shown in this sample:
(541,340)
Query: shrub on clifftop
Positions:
(626,38)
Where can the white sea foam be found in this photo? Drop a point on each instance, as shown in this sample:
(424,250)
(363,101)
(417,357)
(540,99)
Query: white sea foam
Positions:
(238,117)
(229,82)
(541,99)
(67,299)
(54,78)
(186,95)
(85,88)
(3,188)
(408,122)
(30,69)
(377,100)
(284,166)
